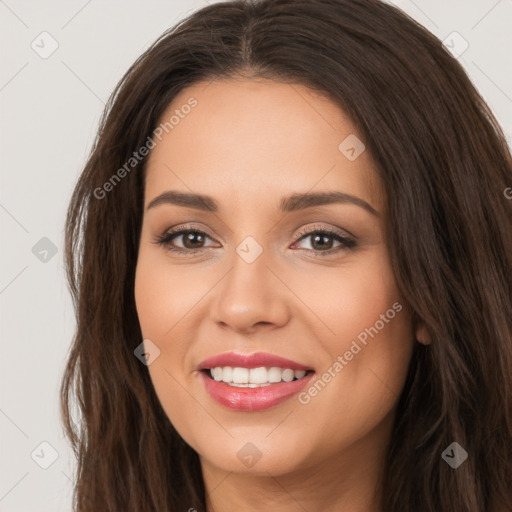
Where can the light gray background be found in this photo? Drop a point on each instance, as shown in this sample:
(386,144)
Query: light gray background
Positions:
(50,109)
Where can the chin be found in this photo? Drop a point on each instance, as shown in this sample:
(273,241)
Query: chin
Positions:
(257,456)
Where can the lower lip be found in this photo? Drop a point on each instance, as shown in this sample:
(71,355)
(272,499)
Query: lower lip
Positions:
(253,399)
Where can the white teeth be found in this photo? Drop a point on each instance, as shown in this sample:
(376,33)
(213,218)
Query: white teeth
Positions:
(217,374)
(258,375)
(254,377)
(274,374)
(240,375)
(287,375)
(227,374)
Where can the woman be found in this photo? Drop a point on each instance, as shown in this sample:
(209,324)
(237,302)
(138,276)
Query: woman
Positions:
(290,256)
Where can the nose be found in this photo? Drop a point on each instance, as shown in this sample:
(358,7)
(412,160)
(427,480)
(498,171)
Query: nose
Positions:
(250,297)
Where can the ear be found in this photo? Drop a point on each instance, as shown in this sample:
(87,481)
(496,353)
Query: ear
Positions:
(423,334)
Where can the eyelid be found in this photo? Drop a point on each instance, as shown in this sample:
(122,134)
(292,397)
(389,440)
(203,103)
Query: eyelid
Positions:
(329,229)
(174,230)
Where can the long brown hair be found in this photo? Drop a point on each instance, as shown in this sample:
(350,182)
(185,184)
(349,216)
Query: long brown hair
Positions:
(445,166)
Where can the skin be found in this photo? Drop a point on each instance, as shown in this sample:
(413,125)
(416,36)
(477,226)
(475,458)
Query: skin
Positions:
(248,143)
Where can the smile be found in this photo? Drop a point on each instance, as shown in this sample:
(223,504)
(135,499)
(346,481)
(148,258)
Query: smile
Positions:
(237,382)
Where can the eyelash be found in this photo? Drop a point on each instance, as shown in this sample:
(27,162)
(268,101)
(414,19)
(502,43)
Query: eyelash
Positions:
(347,243)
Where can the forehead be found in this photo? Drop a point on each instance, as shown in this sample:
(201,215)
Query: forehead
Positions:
(260,137)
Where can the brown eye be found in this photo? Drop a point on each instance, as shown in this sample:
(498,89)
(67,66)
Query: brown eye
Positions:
(191,240)
(322,240)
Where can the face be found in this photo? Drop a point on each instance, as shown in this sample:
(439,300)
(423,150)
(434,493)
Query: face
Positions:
(255,272)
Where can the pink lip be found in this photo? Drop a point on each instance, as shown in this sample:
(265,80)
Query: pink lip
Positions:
(255,360)
(252,399)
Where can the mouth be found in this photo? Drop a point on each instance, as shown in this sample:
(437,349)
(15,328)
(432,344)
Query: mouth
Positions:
(254,382)
(241,377)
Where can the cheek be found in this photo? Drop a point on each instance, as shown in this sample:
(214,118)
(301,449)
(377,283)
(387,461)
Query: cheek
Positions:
(163,295)
(162,305)
(368,346)
(351,298)
(162,300)
(374,317)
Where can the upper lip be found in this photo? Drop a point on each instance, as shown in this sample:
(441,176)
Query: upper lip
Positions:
(255,360)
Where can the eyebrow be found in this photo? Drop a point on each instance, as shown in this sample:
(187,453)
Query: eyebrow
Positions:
(291,203)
